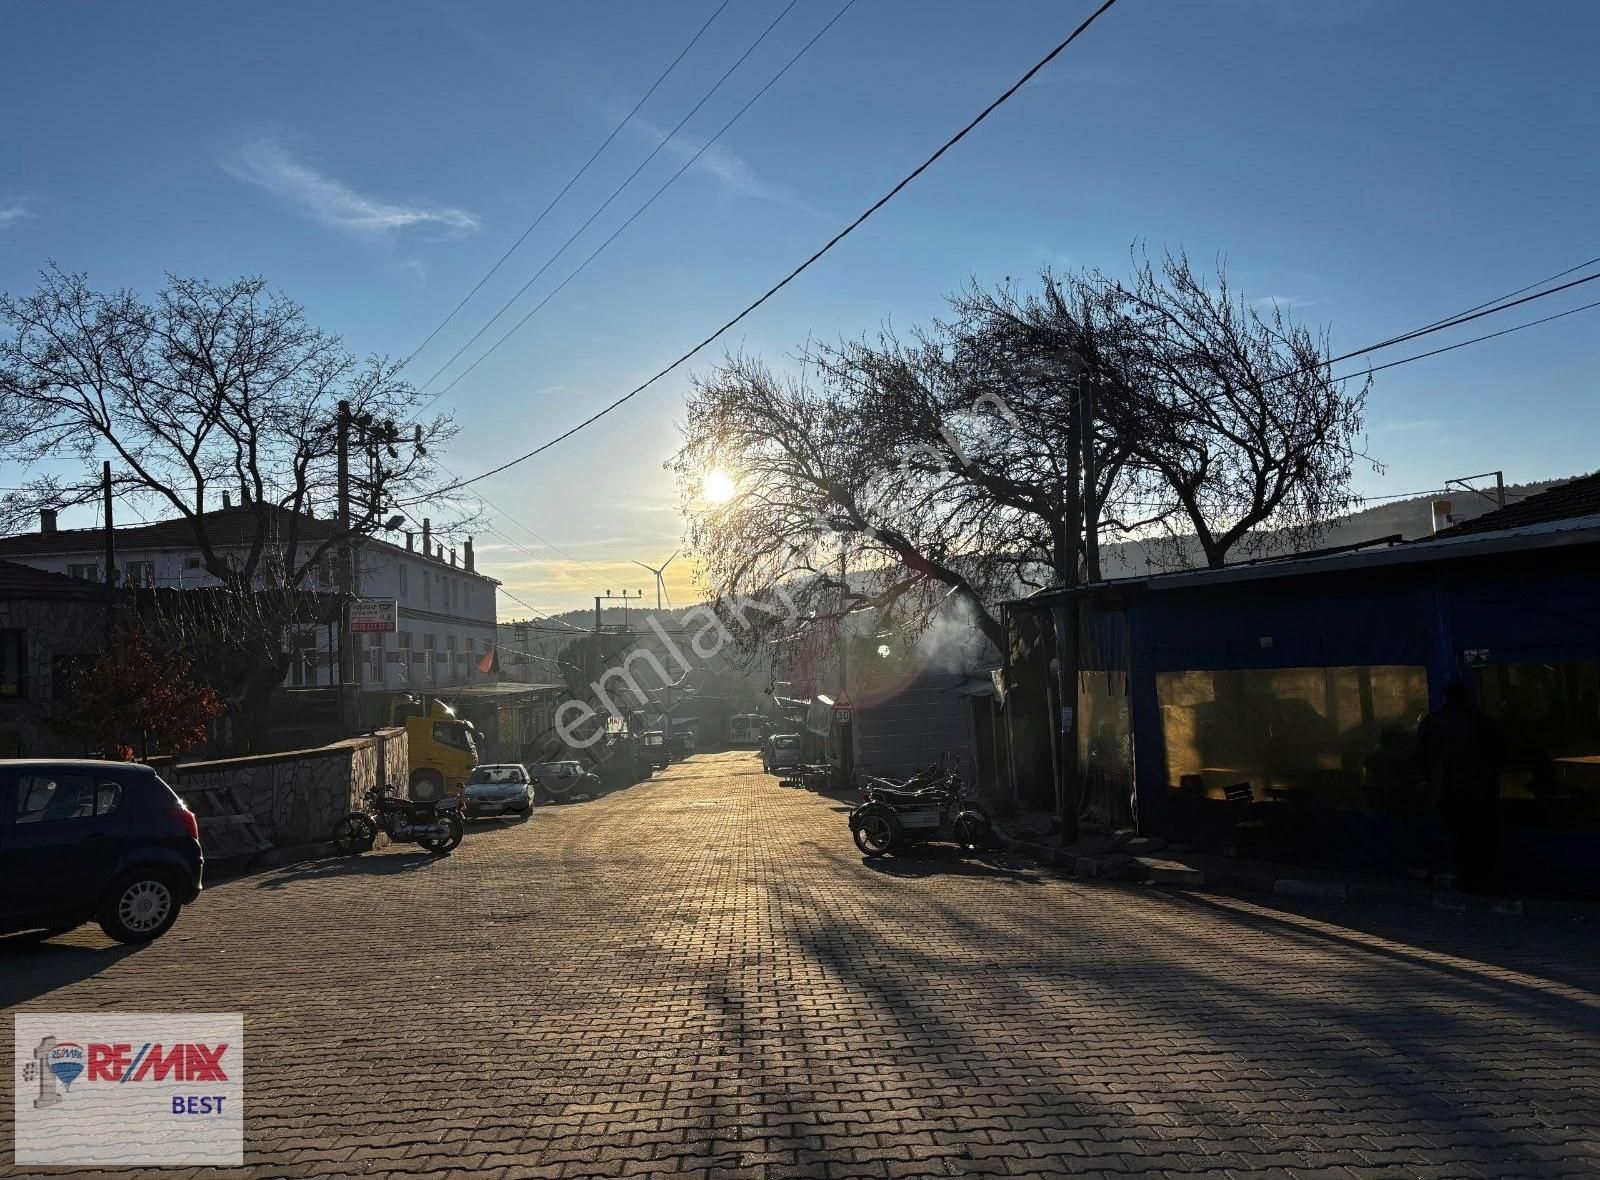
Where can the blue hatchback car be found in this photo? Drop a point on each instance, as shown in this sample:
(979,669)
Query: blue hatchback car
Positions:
(86,840)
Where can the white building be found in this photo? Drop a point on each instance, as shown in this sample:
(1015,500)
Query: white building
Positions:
(446,609)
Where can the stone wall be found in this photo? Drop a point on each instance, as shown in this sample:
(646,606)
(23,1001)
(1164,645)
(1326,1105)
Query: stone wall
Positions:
(298,795)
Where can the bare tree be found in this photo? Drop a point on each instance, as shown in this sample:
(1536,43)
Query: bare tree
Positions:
(210,388)
(946,466)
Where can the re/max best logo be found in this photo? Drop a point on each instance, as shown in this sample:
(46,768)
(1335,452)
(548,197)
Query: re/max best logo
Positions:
(58,1065)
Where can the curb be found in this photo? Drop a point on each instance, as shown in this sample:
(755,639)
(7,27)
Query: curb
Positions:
(1157,870)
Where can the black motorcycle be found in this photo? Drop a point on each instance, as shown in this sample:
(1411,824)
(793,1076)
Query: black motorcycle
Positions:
(933,804)
(435,824)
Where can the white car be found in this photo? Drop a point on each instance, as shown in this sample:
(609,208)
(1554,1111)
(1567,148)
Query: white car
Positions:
(495,788)
(782,750)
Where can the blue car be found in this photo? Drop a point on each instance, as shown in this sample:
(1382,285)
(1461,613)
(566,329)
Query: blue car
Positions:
(94,841)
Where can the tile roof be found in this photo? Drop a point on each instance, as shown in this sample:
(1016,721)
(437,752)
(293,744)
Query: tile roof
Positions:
(1577,497)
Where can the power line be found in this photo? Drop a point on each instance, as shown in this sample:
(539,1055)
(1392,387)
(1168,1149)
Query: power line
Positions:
(576,176)
(1476,313)
(548,262)
(1512,294)
(1474,340)
(616,233)
(797,271)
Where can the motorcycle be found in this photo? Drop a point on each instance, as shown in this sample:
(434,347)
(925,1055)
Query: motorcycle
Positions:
(435,824)
(933,804)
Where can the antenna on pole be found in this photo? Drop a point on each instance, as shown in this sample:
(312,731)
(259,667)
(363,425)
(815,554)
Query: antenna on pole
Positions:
(659,571)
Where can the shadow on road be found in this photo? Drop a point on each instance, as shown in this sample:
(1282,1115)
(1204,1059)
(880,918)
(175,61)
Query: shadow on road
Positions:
(372,864)
(941,861)
(30,968)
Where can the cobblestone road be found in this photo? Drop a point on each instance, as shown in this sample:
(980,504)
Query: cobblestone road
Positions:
(698,976)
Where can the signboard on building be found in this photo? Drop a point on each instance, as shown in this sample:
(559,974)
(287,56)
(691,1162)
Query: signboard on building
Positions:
(373,614)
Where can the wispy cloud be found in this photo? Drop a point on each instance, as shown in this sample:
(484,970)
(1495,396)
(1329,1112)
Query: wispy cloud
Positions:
(1412,424)
(267,163)
(1284,301)
(724,165)
(12,212)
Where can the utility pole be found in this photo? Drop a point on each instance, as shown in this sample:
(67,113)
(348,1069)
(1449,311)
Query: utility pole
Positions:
(342,523)
(1091,508)
(111,556)
(1063,726)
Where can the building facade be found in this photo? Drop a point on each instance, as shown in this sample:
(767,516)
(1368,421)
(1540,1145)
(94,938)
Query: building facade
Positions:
(445,607)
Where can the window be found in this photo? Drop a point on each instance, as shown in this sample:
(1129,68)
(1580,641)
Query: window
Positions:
(1548,715)
(303,658)
(452,734)
(191,563)
(405,579)
(139,574)
(1339,737)
(427,588)
(13,663)
(89,572)
(49,798)
(450,643)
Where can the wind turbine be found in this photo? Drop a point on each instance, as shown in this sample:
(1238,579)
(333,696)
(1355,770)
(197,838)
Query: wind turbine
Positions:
(658,571)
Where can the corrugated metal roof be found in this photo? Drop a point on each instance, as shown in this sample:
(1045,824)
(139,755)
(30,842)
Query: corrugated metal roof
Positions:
(1559,533)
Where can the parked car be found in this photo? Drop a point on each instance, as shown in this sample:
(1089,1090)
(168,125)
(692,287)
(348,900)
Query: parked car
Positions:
(655,748)
(495,788)
(781,750)
(82,840)
(683,742)
(555,782)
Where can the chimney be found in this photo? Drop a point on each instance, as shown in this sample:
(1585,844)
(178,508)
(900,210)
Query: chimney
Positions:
(467,555)
(411,541)
(452,555)
(227,500)
(47,520)
(427,537)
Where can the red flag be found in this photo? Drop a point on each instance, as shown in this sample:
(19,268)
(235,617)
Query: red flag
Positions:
(490,664)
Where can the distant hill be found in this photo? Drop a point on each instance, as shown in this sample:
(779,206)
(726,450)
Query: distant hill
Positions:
(530,653)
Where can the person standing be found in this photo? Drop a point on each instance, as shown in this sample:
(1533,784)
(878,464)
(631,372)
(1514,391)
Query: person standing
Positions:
(1460,749)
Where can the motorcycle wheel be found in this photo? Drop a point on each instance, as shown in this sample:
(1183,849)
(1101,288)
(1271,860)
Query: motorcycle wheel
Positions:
(874,833)
(972,832)
(447,845)
(354,834)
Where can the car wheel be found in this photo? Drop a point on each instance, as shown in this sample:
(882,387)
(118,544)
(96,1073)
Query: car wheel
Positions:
(141,906)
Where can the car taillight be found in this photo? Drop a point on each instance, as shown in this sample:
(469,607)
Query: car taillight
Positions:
(186,821)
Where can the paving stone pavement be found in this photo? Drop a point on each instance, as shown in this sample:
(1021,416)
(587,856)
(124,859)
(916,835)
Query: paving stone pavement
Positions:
(698,976)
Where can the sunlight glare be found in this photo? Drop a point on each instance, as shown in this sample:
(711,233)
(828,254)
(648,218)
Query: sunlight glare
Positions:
(718,486)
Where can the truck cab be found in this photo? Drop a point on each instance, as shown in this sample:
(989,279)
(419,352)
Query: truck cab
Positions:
(441,745)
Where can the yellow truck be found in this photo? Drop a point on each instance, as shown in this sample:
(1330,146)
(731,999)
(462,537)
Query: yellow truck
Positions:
(440,746)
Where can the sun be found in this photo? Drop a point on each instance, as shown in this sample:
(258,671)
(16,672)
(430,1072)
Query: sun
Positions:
(718,488)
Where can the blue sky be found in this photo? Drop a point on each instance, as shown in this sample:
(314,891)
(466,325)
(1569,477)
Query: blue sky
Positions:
(1379,165)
